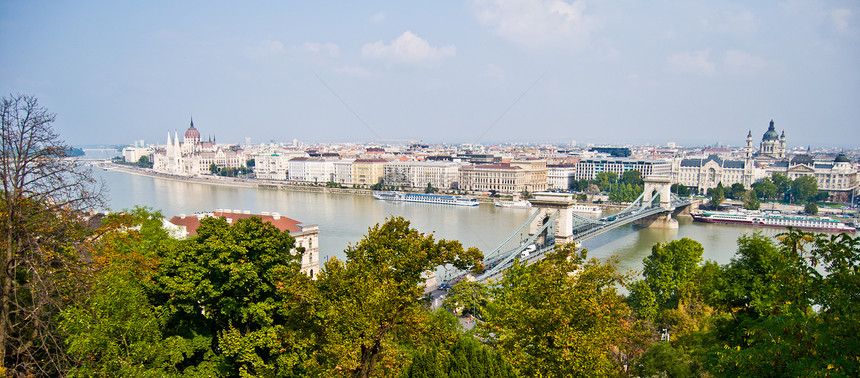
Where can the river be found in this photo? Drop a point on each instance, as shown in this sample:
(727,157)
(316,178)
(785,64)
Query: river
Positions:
(345,218)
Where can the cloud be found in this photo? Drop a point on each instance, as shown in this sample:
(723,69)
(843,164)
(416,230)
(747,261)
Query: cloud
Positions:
(538,23)
(738,23)
(408,48)
(329,49)
(352,71)
(264,49)
(841,19)
(742,63)
(694,62)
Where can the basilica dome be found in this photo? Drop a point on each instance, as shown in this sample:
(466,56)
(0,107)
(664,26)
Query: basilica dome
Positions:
(771,133)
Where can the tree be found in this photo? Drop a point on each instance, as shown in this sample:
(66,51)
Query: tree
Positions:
(375,295)
(634,178)
(430,189)
(810,208)
(769,294)
(525,194)
(605,179)
(717,196)
(213,169)
(561,316)
(804,188)
(669,268)
(782,183)
(467,297)
(738,191)
(115,329)
(592,190)
(751,201)
(680,190)
(144,162)
(765,189)
(234,300)
(250,163)
(41,195)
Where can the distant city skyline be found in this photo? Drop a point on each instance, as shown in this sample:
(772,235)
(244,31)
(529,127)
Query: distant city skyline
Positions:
(483,71)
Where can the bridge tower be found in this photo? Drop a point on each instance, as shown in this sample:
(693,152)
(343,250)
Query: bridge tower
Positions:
(662,186)
(548,204)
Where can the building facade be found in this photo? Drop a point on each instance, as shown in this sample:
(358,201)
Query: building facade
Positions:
(706,173)
(587,169)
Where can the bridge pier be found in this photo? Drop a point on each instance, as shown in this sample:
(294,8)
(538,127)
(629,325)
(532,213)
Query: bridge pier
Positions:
(548,203)
(662,220)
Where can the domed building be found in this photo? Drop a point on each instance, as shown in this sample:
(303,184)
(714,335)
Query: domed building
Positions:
(191,143)
(772,144)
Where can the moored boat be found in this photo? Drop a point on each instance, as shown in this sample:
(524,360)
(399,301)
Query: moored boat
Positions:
(514,204)
(426,198)
(774,220)
(587,209)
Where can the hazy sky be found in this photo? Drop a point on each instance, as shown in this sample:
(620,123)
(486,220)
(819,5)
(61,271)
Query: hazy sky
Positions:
(625,71)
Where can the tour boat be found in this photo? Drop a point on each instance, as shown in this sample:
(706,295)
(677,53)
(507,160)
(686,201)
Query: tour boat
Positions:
(514,204)
(773,220)
(587,209)
(426,198)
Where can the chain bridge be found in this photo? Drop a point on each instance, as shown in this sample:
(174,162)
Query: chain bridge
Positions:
(554,221)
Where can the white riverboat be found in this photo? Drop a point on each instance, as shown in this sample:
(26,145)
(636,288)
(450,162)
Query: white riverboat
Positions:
(514,204)
(767,219)
(426,198)
(587,209)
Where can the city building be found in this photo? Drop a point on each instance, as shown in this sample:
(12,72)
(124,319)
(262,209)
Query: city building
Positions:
(560,177)
(418,174)
(705,173)
(194,157)
(837,177)
(505,178)
(772,144)
(306,235)
(587,169)
(368,172)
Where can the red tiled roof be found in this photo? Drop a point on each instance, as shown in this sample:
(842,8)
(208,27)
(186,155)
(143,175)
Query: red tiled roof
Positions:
(192,222)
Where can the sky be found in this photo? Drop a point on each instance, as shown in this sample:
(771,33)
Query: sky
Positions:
(696,72)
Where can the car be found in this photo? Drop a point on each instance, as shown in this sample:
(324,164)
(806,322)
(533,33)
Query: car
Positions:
(444,286)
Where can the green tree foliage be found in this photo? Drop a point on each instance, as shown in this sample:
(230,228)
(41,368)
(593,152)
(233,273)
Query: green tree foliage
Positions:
(717,196)
(467,297)
(144,162)
(768,295)
(765,189)
(804,188)
(625,192)
(737,191)
(250,163)
(680,190)
(751,201)
(224,293)
(374,296)
(810,208)
(116,330)
(667,271)
(40,196)
(560,316)
(213,169)
(782,183)
(430,189)
(465,358)
(605,179)
(634,178)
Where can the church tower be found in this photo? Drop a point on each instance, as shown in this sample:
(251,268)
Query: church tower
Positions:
(748,150)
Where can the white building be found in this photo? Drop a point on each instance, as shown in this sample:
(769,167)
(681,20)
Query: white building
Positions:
(706,173)
(418,174)
(560,177)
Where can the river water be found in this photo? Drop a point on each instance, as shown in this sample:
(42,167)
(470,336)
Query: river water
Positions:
(344,218)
